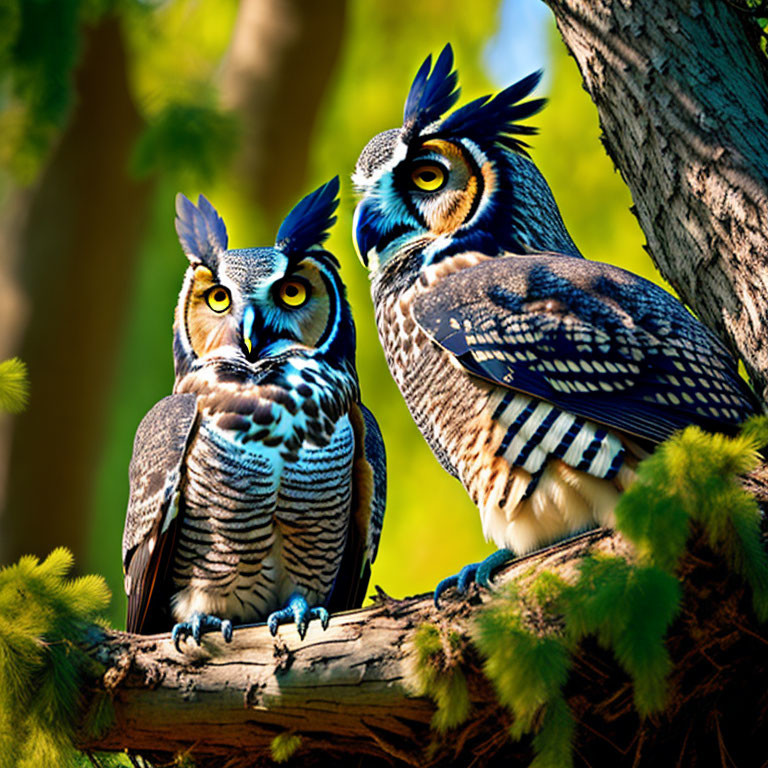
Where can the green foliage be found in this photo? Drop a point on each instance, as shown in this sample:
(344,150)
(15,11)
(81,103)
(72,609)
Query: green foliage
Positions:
(433,668)
(527,669)
(526,636)
(14,386)
(284,746)
(38,50)
(694,477)
(629,609)
(187,141)
(42,669)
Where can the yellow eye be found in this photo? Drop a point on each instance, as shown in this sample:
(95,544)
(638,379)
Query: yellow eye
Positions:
(218,298)
(293,293)
(428,177)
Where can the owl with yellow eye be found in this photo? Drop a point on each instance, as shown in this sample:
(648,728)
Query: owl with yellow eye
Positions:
(257,488)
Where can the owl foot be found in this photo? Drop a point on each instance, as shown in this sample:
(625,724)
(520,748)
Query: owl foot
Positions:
(480,573)
(197,624)
(299,611)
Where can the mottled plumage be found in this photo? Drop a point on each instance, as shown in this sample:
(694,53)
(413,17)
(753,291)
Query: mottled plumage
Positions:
(258,487)
(539,379)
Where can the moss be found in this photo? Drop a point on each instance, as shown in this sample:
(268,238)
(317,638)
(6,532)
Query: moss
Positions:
(14,386)
(42,670)
(527,636)
(433,668)
(284,746)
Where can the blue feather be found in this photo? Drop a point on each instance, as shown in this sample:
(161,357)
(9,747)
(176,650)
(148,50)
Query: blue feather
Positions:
(308,223)
(493,119)
(201,231)
(431,95)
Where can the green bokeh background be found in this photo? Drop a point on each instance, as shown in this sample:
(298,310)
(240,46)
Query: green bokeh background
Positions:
(431,528)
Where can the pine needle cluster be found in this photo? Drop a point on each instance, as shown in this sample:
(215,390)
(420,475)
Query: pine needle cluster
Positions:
(434,658)
(43,615)
(284,746)
(14,386)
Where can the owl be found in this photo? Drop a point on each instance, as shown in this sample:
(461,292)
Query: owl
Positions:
(538,378)
(257,488)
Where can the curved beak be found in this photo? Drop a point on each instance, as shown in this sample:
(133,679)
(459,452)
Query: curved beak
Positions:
(249,330)
(365,235)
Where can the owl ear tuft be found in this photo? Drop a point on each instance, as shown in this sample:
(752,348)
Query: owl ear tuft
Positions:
(487,120)
(201,231)
(307,225)
(431,95)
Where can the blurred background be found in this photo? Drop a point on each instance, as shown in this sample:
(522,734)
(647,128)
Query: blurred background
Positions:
(107,109)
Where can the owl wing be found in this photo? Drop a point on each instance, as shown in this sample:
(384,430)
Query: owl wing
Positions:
(592,339)
(155,474)
(369,496)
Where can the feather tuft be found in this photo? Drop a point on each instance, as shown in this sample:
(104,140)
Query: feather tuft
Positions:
(431,95)
(201,230)
(495,119)
(307,225)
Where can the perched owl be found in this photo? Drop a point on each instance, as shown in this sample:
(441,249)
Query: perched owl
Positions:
(257,488)
(539,379)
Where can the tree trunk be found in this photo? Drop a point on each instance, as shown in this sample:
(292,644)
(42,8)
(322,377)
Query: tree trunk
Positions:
(680,87)
(280,61)
(75,238)
(344,690)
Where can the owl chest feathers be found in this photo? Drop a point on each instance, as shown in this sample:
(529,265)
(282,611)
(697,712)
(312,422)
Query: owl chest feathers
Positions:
(536,472)
(266,497)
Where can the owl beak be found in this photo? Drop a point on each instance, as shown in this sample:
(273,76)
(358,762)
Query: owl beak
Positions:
(364,235)
(248,330)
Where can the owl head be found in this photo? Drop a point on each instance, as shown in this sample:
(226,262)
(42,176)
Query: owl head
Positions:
(250,305)
(442,185)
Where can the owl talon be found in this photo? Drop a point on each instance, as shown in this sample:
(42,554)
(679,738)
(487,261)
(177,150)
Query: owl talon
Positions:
(299,611)
(197,625)
(479,573)
(490,564)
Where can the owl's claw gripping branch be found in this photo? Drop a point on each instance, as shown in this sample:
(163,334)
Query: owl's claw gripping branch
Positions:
(480,573)
(196,625)
(298,611)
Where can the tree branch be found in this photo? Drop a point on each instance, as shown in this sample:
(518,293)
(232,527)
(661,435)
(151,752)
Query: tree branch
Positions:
(344,691)
(680,87)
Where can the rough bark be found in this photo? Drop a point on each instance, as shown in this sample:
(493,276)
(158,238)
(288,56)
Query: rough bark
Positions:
(278,67)
(680,87)
(343,690)
(73,239)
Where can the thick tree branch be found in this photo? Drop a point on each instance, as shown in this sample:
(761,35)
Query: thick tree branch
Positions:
(681,91)
(343,690)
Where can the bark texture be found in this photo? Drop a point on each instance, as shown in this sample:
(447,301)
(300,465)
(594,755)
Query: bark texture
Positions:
(680,87)
(344,691)
(278,68)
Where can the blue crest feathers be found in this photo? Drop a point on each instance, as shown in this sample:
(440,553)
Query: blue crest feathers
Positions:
(201,231)
(431,95)
(310,219)
(494,119)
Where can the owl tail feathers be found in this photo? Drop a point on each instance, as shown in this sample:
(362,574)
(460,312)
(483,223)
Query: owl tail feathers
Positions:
(201,231)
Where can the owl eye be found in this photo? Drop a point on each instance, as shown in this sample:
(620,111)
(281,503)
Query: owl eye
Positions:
(428,177)
(218,298)
(293,293)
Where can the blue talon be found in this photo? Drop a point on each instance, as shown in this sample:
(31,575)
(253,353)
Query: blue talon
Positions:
(196,625)
(297,610)
(480,573)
